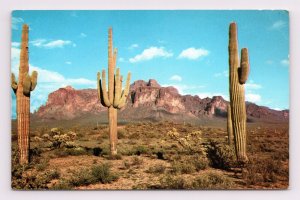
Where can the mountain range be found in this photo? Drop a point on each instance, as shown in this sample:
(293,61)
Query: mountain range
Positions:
(148,101)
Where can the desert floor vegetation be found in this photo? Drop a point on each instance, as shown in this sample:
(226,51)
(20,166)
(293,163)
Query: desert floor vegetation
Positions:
(151,155)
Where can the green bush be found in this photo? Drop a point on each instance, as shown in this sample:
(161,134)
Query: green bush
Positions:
(200,163)
(221,156)
(122,133)
(173,183)
(81,177)
(178,167)
(102,173)
(98,173)
(140,150)
(157,169)
(42,165)
(212,180)
(263,170)
(136,160)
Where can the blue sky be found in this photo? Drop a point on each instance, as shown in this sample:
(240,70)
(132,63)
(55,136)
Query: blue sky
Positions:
(186,49)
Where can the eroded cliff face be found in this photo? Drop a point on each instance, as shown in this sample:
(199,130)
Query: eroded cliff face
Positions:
(145,100)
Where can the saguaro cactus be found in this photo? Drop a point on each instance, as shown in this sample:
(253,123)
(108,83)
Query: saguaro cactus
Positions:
(238,74)
(115,98)
(22,89)
(229,125)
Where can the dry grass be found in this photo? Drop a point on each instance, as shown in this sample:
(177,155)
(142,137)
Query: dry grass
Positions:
(149,158)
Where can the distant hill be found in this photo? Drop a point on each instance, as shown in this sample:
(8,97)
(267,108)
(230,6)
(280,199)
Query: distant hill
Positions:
(148,100)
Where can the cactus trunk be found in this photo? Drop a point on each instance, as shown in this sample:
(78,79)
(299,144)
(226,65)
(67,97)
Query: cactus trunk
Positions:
(114,98)
(229,126)
(237,94)
(23,115)
(22,89)
(112,117)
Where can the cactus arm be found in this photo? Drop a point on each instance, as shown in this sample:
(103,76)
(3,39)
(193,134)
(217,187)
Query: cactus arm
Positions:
(125,92)
(26,84)
(34,76)
(14,84)
(118,88)
(245,67)
(99,86)
(104,91)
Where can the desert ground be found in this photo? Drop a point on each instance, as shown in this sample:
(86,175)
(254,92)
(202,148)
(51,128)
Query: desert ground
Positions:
(151,155)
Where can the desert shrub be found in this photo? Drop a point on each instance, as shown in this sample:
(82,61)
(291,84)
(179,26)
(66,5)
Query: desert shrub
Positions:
(157,169)
(105,150)
(178,167)
(102,173)
(212,180)
(200,163)
(191,142)
(34,153)
(53,174)
(42,165)
(174,183)
(76,151)
(62,185)
(221,156)
(263,170)
(122,133)
(140,150)
(115,157)
(136,160)
(81,177)
(98,173)
(126,164)
(58,138)
(33,180)
(281,154)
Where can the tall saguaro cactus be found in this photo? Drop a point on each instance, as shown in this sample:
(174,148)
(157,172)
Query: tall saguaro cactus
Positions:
(115,98)
(22,89)
(238,74)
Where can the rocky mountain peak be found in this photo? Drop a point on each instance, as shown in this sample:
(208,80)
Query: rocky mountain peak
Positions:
(153,83)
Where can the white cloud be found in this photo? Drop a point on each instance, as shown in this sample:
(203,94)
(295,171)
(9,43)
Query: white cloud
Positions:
(15,21)
(176,78)
(83,35)
(150,53)
(15,44)
(48,81)
(224,73)
(52,44)
(252,86)
(133,46)
(15,54)
(68,62)
(193,54)
(285,62)
(57,43)
(38,42)
(278,24)
(251,97)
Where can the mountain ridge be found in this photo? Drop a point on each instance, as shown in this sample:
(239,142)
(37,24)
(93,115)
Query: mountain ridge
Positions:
(148,100)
